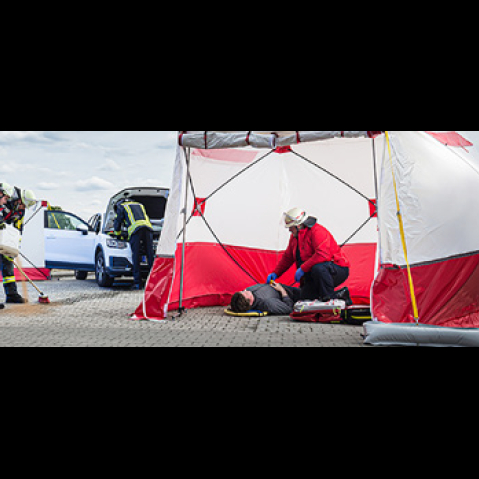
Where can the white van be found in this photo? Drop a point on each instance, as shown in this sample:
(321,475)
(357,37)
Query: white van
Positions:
(113,258)
(74,244)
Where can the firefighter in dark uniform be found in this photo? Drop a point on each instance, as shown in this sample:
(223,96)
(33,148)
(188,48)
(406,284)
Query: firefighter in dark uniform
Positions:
(13,213)
(133,215)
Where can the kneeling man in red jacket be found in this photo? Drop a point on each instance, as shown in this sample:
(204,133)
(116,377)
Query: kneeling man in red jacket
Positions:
(321,264)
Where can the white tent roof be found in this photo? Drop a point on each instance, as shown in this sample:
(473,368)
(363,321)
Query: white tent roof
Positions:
(261,139)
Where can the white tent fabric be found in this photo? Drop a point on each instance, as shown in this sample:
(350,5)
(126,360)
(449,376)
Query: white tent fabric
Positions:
(248,212)
(439,200)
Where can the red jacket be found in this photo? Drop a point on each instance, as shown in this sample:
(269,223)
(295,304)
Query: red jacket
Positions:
(316,245)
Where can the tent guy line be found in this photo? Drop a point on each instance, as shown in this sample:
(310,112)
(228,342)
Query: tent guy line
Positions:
(345,183)
(219,241)
(236,176)
(356,232)
(197,205)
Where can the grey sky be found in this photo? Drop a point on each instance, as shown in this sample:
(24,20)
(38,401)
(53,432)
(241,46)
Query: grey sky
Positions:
(81,170)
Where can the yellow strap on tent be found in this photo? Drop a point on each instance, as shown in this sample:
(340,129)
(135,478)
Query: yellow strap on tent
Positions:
(403,236)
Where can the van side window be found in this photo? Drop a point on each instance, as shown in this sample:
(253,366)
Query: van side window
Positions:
(59,220)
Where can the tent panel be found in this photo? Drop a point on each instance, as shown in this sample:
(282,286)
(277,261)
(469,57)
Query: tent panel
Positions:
(158,290)
(212,277)
(447,293)
(248,211)
(437,190)
(168,241)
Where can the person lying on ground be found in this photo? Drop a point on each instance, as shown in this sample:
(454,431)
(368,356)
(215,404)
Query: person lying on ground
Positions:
(275,299)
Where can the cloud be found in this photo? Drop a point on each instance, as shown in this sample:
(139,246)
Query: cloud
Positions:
(110,165)
(150,182)
(168,140)
(48,186)
(93,183)
(12,137)
(6,169)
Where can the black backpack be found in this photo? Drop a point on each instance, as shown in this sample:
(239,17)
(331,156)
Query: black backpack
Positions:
(357,315)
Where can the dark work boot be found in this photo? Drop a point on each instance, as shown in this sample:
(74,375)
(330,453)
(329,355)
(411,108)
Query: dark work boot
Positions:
(15,298)
(344,295)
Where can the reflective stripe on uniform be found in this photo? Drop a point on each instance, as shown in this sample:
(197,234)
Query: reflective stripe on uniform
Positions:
(9,279)
(134,211)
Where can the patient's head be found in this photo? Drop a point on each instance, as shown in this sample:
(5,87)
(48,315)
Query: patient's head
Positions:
(242,302)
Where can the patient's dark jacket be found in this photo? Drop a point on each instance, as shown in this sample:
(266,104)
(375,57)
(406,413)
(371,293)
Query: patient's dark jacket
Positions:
(270,300)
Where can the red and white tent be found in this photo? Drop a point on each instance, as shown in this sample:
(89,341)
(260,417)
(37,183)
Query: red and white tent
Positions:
(224,231)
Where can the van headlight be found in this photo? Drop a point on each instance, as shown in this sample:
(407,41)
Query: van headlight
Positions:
(114,243)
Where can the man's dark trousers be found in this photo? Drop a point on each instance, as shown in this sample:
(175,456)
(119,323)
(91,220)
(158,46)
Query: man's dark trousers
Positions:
(322,280)
(144,235)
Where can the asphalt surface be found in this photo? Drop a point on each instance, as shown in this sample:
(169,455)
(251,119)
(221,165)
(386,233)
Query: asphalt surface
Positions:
(83,315)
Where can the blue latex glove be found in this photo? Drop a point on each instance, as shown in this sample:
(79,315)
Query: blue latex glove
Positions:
(299,275)
(272,277)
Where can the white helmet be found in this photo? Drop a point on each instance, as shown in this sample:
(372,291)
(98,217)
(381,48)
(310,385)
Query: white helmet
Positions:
(7,189)
(28,198)
(295,217)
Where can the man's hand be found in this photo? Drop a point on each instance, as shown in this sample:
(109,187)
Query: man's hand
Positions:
(278,287)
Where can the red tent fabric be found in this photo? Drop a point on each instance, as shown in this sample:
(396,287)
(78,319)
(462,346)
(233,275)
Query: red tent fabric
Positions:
(450,138)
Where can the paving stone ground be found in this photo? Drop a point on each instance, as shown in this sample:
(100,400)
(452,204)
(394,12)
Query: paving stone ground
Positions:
(84,315)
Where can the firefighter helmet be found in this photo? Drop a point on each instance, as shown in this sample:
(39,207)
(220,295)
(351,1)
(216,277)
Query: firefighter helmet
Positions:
(28,198)
(295,217)
(6,189)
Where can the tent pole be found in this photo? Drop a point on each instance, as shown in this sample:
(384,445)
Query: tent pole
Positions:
(403,237)
(375,173)
(187,151)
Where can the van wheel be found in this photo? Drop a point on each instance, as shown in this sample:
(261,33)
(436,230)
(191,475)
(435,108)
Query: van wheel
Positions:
(81,275)
(103,279)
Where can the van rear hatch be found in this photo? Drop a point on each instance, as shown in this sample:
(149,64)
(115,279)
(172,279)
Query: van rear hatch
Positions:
(153,199)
